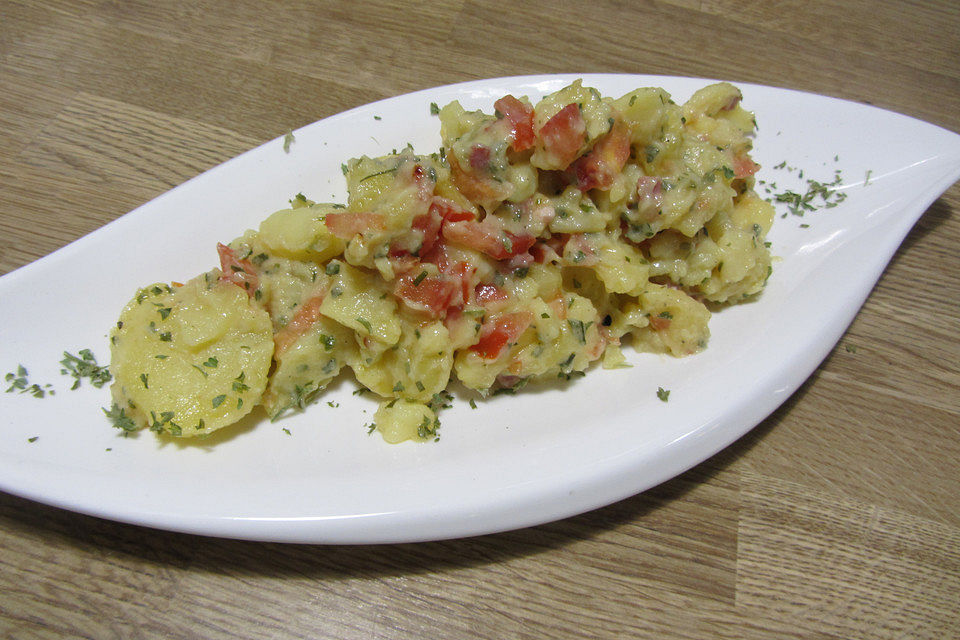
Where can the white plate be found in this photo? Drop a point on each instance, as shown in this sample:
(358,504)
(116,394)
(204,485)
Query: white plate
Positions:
(514,461)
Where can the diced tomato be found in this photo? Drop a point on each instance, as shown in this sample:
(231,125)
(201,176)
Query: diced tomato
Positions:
(559,306)
(306,315)
(542,253)
(603,164)
(348,224)
(438,256)
(429,225)
(520,117)
(658,323)
(477,186)
(486,293)
(240,272)
(551,248)
(563,135)
(744,167)
(487,238)
(465,273)
(459,272)
(431,294)
(449,210)
(498,332)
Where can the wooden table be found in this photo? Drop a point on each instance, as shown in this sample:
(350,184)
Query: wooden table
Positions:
(837,517)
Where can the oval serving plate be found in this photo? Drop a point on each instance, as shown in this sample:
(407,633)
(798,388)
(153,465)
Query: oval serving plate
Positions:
(543,454)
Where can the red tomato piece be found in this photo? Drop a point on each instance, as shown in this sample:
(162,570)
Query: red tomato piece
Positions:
(240,272)
(464,272)
(449,210)
(744,167)
(487,238)
(305,317)
(520,117)
(487,293)
(348,224)
(603,164)
(497,333)
(429,225)
(431,294)
(564,134)
(477,187)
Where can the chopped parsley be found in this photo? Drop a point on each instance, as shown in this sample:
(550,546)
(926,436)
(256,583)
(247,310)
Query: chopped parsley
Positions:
(327,341)
(663,394)
(239,386)
(85,366)
(440,401)
(120,420)
(366,324)
(434,109)
(579,329)
(288,140)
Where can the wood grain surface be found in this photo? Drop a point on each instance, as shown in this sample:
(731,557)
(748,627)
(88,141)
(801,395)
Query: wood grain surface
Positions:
(837,517)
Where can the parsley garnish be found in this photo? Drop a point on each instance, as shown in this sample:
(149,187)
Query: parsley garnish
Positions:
(120,419)
(579,329)
(85,366)
(238,384)
(663,394)
(288,139)
(440,401)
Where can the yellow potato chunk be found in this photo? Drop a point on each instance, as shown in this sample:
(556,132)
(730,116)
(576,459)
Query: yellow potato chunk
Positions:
(306,367)
(300,234)
(359,300)
(190,360)
(399,420)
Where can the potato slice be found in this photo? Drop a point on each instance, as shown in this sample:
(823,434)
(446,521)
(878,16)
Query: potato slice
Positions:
(189,360)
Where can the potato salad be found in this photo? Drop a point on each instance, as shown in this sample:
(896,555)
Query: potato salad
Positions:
(537,242)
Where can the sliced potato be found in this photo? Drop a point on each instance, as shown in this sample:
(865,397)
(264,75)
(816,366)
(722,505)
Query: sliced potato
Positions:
(192,359)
